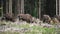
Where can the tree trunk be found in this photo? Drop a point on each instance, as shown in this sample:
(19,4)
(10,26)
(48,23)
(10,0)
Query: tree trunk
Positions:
(7,6)
(22,6)
(10,7)
(59,7)
(18,6)
(1,8)
(39,9)
(15,8)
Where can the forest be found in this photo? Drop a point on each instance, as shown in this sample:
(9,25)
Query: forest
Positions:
(33,7)
(29,17)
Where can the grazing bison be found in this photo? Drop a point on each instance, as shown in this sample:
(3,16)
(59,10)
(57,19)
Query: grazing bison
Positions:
(55,20)
(46,18)
(58,17)
(25,17)
(8,17)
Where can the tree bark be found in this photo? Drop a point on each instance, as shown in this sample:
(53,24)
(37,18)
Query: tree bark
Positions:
(59,7)
(18,6)
(39,9)
(22,6)
(1,8)
(7,6)
(10,7)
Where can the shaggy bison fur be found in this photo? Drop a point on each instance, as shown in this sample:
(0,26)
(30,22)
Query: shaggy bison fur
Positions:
(25,17)
(46,18)
(8,17)
(55,20)
(58,17)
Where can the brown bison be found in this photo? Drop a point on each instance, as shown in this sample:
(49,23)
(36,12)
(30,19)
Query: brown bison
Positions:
(46,18)
(55,20)
(8,17)
(58,17)
(25,17)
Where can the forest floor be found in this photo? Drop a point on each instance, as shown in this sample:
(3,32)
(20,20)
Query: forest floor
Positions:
(26,28)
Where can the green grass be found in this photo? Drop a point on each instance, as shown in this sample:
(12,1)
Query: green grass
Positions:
(34,29)
(9,32)
(38,30)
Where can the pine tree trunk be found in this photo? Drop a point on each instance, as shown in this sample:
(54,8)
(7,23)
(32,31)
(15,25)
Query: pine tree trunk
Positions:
(15,8)
(1,8)
(18,6)
(59,7)
(22,6)
(10,7)
(39,9)
(7,6)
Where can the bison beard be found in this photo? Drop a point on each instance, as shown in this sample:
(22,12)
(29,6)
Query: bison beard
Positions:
(25,17)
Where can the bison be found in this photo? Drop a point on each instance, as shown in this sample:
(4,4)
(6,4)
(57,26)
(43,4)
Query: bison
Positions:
(58,17)
(25,17)
(55,20)
(8,17)
(46,18)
